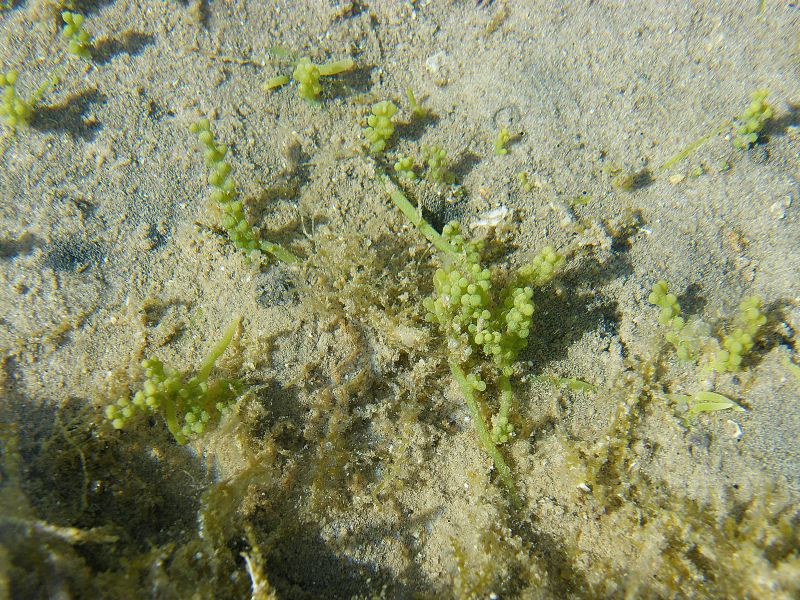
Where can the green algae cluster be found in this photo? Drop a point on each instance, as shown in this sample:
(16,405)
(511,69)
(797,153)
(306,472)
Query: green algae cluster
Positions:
(187,403)
(753,119)
(693,340)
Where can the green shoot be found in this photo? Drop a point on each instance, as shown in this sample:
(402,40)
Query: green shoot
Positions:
(226,195)
(79,39)
(187,404)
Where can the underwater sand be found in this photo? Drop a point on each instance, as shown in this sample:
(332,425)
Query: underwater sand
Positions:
(349,467)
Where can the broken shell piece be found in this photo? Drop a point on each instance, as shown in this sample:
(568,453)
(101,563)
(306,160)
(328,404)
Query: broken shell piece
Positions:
(733,429)
(492,218)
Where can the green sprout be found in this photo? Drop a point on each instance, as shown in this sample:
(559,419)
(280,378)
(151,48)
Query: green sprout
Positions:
(501,141)
(749,320)
(226,195)
(667,302)
(481,321)
(15,110)
(404,167)
(79,39)
(524,179)
(417,110)
(379,125)
(703,401)
(693,145)
(688,338)
(572,383)
(307,77)
(692,337)
(187,403)
(749,125)
(752,120)
(275,82)
(438,167)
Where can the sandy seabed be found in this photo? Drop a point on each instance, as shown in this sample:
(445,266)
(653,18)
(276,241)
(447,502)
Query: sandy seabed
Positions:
(348,465)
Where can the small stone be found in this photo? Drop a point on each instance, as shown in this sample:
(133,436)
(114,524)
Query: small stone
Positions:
(676,178)
(733,429)
(778,208)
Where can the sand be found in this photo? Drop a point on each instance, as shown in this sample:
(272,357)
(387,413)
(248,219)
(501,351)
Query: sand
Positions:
(349,467)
